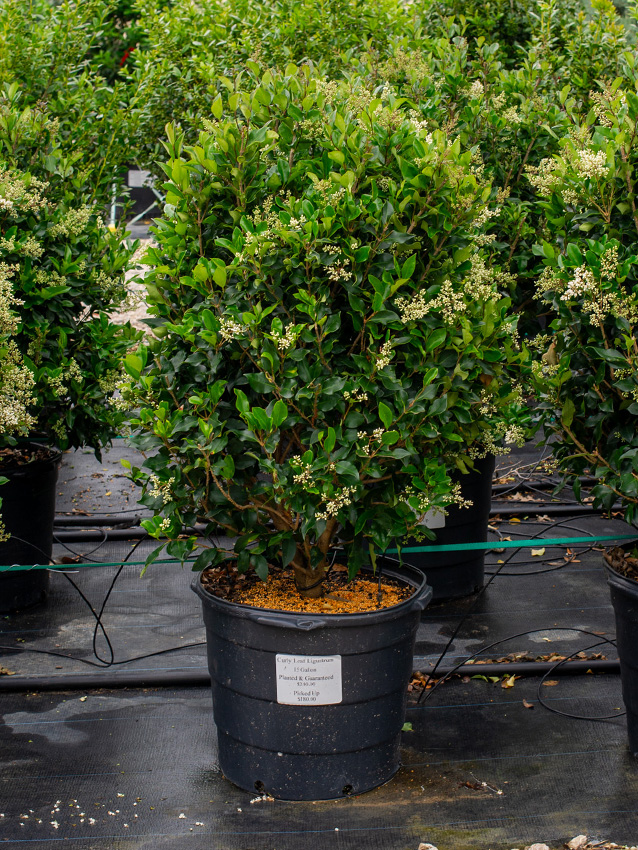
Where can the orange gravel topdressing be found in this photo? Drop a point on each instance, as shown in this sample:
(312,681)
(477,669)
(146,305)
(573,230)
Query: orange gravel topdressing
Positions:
(278,592)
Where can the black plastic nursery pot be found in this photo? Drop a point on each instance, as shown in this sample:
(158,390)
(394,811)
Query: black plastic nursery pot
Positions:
(624,597)
(456,574)
(310,707)
(28,513)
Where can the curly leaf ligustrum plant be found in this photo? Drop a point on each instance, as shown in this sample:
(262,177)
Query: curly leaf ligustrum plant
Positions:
(61,276)
(587,375)
(329,340)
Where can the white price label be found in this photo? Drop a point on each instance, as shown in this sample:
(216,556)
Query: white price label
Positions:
(140,178)
(433,519)
(308,679)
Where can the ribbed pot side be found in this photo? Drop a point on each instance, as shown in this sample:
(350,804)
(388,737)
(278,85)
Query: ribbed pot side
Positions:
(452,575)
(624,597)
(310,707)
(28,513)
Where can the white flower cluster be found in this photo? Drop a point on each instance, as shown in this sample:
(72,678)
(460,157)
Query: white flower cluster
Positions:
(286,340)
(590,165)
(304,476)
(296,223)
(601,107)
(485,215)
(334,505)
(582,283)
(476,90)
(311,128)
(328,191)
(545,176)
(31,248)
(49,278)
(448,302)
(609,263)
(59,429)
(513,116)
(599,305)
(487,408)
(515,435)
(385,355)
(230,329)
(424,503)
(481,281)
(16,386)
(73,224)
(355,395)
(547,281)
(159,490)
(364,438)
(110,382)
(8,319)
(266,214)
(417,123)
(498,102)
(328,88)
(338,271)
(409,64)
(18,193)
(112,287)
(358,99)
(414,308)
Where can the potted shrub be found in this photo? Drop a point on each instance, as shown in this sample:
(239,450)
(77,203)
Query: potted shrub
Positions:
(62,274)
(327,345)
(586,373)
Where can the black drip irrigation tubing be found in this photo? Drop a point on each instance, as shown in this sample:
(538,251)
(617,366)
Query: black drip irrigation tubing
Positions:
(197,679)
(89,535)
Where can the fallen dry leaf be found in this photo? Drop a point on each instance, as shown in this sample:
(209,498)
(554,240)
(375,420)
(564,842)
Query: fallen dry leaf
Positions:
(550,683)
(528,704)
(4,671)
(508,682)
(538,553)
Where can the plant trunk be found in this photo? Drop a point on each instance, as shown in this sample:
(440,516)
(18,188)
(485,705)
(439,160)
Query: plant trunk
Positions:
(309,581)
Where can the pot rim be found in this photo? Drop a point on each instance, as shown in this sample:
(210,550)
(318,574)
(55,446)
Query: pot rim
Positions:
(419,599)
(631,584)
(55,456)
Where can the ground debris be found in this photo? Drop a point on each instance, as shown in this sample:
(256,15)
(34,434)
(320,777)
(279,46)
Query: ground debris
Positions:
(262,798)
(528,656)
(582,842)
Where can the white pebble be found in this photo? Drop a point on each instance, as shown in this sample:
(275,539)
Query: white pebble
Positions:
(577,842)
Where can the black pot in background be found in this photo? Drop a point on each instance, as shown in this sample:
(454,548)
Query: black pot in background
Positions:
(28,513)
(455,574)
(305,751)
(624,597)
(142,197)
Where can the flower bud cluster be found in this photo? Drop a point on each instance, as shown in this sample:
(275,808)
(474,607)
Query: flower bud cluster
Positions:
(334,505)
